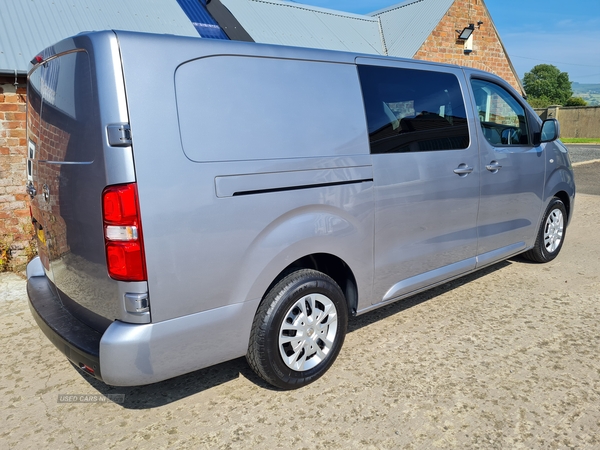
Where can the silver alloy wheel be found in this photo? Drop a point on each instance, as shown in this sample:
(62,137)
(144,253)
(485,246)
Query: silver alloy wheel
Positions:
(308,332)
(553,230)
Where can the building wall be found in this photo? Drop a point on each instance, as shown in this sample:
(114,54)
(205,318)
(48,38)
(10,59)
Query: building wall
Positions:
(575,121)
(15,223)
(488,53)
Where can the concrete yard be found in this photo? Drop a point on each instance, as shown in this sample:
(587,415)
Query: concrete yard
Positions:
(507,357)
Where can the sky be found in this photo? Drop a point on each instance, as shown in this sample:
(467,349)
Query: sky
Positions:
(563,33)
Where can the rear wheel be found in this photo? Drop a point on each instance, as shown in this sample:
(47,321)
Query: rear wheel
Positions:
(551,234)
(298,330)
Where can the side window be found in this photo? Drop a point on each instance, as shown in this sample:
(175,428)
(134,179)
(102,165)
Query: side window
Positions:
(413,110)
(502,118)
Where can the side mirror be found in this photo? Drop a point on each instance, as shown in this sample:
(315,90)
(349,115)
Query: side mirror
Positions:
(550,130)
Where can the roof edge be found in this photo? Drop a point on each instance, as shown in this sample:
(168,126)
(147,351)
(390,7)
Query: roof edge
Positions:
(393,7)
(13,73)
(332,12)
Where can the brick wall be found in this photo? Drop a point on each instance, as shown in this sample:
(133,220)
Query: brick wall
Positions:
(15,224)
(488,54)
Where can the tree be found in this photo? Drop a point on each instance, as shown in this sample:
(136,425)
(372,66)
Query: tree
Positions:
(546,82)
(576,101)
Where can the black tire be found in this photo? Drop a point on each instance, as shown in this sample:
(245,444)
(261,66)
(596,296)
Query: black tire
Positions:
(303,302)
(551,234)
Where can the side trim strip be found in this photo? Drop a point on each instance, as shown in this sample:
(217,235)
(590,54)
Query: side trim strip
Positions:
(259,183)
(295,188)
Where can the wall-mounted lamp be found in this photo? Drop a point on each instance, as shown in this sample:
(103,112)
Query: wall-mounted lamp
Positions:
(466,32)
(466,35)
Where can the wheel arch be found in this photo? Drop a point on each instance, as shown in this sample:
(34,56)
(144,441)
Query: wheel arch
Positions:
(330,265)
(564,197)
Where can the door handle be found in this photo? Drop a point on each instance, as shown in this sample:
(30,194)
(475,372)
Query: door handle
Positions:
(31,191)
(493,166)
(463,170)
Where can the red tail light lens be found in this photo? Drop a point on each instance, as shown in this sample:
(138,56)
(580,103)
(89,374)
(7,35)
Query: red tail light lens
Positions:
(123,233)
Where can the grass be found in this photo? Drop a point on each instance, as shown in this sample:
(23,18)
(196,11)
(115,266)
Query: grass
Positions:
(580,140)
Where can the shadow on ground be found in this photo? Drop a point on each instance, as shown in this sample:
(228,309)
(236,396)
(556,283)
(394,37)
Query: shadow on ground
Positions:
(175,389)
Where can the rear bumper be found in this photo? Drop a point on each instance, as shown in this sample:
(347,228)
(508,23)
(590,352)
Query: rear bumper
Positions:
(129,354)
(79,343)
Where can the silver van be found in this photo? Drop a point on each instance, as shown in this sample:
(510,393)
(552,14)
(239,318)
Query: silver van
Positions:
(199,200)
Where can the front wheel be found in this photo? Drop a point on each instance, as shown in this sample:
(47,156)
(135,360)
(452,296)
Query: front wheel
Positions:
(551,234)
(298,330)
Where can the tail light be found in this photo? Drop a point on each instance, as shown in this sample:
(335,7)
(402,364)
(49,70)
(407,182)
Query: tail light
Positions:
(123,233)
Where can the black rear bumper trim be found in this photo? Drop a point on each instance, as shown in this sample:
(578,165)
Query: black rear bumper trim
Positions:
(77,341)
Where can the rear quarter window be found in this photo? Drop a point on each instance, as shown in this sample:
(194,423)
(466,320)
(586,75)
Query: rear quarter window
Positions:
(248,108)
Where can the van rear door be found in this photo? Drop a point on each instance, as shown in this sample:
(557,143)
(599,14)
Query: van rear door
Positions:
(65,179)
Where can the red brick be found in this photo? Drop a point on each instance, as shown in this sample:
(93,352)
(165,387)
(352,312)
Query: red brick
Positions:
(12,125)
(9,107)
(11,98)
(16,133)
(22,213)
(14,116)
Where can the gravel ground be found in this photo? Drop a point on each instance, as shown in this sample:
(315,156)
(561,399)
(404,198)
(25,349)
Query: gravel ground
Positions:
(504,358)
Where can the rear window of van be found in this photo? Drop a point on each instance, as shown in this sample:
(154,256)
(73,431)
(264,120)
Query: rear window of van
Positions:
(61,112)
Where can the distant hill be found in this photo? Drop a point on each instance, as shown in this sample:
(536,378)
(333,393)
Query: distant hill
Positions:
(589,92)
(580,88)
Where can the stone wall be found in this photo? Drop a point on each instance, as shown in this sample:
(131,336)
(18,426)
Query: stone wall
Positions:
(575,121)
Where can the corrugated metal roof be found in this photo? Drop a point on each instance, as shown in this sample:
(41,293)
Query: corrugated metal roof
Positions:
(287,23)
(205,25)
(407,25)
(29,26)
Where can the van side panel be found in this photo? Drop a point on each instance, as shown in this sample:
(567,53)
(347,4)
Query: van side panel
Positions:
(267,108)
(211,241)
